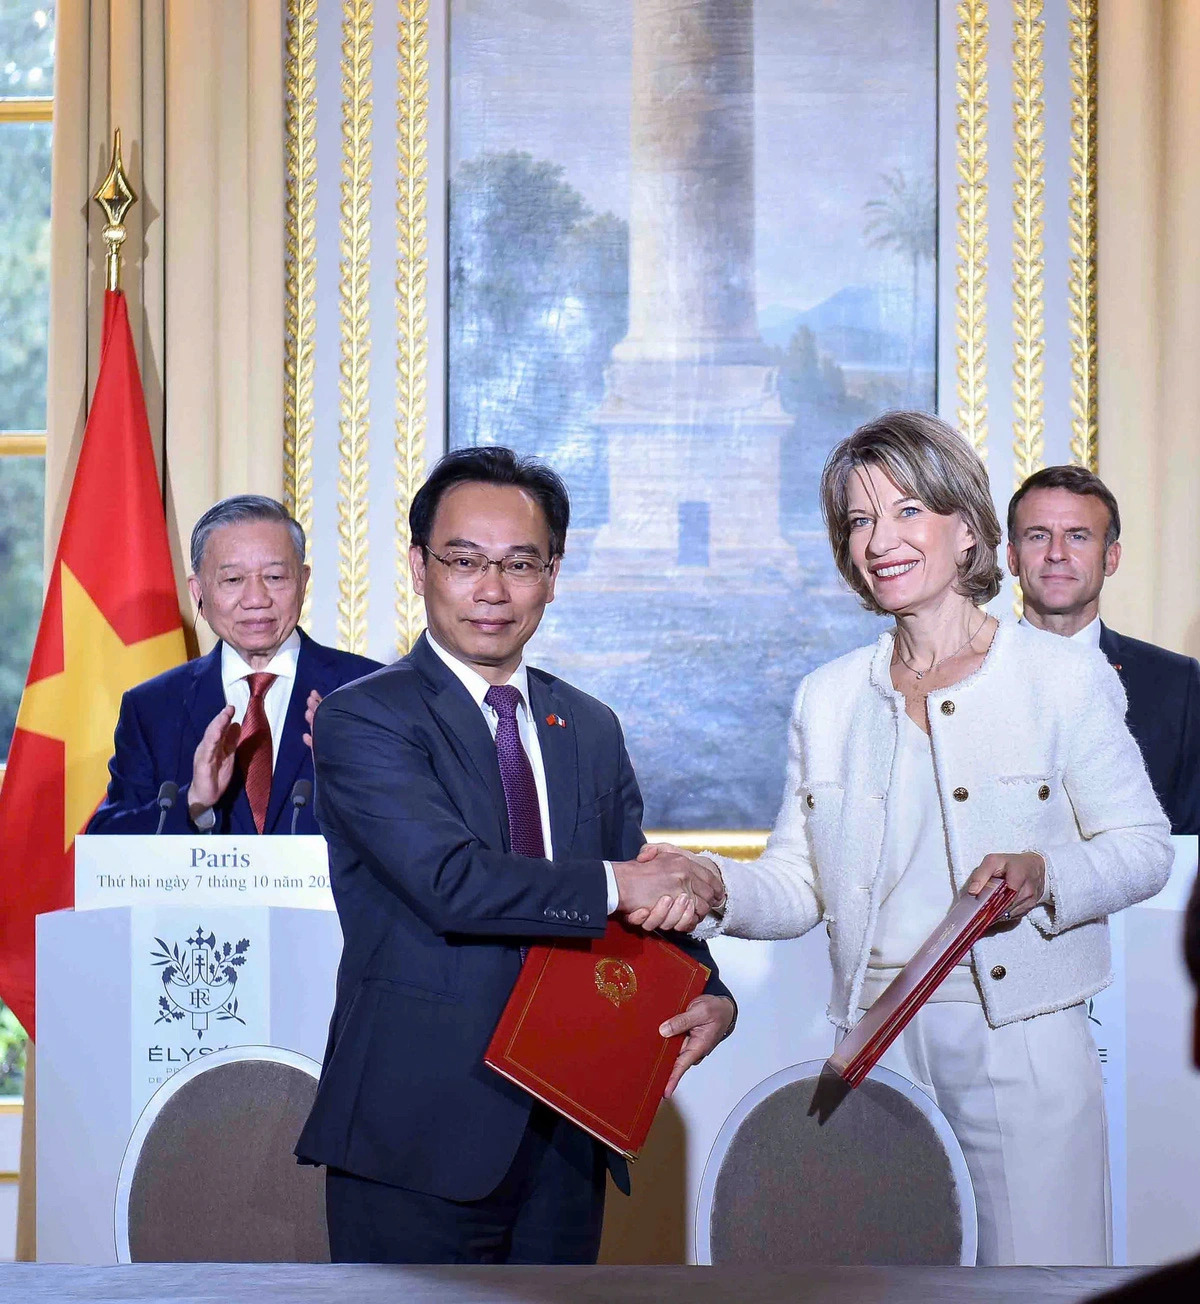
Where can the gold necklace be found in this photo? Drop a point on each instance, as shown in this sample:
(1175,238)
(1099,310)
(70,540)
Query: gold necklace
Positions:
(920,674)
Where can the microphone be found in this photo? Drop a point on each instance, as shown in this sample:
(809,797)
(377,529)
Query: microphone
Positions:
(301,796)
(167,792)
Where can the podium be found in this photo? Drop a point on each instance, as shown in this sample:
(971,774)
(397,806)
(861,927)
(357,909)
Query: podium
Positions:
(176,948)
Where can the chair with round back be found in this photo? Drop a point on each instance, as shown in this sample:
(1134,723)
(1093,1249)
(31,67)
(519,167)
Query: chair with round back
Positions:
(209,1175)
(805,1171)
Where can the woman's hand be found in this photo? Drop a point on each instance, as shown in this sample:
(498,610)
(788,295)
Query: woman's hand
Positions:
(1025,871)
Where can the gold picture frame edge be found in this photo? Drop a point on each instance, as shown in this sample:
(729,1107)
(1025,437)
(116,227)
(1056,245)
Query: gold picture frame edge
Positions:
(737,844)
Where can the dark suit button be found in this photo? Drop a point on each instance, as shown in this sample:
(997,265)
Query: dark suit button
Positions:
(585,919)
(998,971)
(562,914)
(573,914)
(961,794)
(947,708)
(1044,792)
(548,914)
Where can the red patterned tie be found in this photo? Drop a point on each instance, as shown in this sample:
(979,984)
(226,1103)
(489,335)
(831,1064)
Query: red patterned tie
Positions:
(254,751)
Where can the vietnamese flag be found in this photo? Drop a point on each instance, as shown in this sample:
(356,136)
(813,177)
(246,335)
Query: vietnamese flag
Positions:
(111,620)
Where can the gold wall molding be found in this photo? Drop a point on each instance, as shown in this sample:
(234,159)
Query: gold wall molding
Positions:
(1081,284)
(1029,262)
(354,305)
(971,232)
(412,269)
(300,261)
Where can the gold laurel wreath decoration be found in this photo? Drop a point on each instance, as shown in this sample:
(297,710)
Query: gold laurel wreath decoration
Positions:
(1081,284)
(412,267)
(971,232)
(300,262)
(1028,229)
(354,294)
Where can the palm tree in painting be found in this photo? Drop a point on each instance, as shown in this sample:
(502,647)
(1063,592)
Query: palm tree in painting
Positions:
(904,219)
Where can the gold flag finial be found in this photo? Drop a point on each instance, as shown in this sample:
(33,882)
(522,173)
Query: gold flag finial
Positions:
(115,196)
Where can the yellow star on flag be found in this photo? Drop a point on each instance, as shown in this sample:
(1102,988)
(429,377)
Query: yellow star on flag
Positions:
(79,706)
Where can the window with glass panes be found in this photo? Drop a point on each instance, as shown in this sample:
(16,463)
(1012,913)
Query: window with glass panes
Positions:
(26,114)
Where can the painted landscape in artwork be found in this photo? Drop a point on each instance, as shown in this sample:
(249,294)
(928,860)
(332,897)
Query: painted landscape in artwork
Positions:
(690,248)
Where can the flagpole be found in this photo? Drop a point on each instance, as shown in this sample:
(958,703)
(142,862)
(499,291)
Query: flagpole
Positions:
(115,196)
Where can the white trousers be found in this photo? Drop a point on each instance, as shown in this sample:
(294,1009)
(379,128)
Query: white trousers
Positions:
(1026,1103)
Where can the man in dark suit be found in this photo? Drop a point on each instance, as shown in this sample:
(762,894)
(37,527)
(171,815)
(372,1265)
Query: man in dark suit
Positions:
(1064,530)
(472,804)
(230,728)
(1177,1281)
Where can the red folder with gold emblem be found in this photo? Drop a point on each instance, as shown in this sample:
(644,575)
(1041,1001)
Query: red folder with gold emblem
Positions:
(580,1030)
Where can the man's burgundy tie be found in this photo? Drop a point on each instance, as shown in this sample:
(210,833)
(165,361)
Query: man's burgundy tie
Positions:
(254,750)
(520,791)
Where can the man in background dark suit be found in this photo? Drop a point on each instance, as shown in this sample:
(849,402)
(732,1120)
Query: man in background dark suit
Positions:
(1177,1281)
(1064,532)
(230,728)
(472,804)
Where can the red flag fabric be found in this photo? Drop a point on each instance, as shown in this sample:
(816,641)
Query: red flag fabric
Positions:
(111,620)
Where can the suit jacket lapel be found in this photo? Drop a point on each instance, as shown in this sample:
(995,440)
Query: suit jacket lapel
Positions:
(560,759)
(313,670)
(1108,643)
(206,699)
(456,708)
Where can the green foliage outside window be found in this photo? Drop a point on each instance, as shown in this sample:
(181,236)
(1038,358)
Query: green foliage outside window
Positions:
(21,491)
(12,1054)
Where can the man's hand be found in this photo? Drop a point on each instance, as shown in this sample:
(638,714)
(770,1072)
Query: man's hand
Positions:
(1025,871)
(212,764)
(310,711)
(706,1021)
(673,912)
(670,886)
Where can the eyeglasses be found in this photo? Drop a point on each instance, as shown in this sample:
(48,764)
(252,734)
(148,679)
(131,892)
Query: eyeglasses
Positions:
(467,567)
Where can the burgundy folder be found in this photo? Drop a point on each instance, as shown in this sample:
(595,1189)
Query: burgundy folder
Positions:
(967,920)
(580,1030)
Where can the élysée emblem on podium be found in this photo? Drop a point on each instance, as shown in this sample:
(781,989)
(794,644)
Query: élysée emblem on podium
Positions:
(199,979)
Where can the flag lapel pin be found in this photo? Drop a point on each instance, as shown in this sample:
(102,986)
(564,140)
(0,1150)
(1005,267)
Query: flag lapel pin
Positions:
(556,720)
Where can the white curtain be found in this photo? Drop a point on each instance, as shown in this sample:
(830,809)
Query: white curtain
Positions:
(1148,287)
(196,87)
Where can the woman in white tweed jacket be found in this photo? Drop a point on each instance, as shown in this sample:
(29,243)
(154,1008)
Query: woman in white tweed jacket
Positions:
(952,751)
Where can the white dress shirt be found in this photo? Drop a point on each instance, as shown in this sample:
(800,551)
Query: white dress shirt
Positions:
(1089,635)
(234,678)
(234,673)
(477,686)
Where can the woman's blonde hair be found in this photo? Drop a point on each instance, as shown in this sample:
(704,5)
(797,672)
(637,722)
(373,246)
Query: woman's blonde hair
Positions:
(930,461)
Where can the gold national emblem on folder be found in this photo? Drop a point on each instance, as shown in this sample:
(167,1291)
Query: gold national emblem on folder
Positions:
(615,980)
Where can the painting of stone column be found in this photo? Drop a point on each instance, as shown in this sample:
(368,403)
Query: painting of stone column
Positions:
(691,246)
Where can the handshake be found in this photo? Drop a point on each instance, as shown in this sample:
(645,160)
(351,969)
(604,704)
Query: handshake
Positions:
(666,887)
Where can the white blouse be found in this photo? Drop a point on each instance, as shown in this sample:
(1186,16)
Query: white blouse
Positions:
(918,884)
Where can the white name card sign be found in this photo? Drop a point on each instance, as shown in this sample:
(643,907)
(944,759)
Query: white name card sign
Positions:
(207,870)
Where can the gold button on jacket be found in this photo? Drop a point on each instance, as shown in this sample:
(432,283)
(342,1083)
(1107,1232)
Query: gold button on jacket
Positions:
(998,971)
(947,708)
(1044,792)
(961,794)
